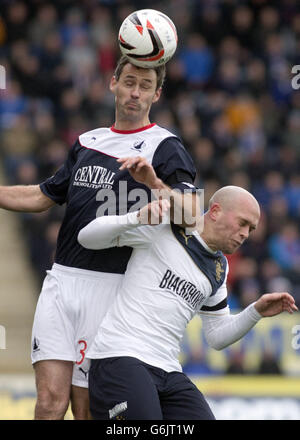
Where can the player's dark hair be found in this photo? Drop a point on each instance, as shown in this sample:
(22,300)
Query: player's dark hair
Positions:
(160,71)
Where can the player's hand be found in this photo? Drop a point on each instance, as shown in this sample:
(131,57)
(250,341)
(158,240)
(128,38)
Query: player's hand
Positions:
(272,304)
(141,170)
(154,212)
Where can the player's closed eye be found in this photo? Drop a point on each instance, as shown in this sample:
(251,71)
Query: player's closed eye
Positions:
(245,223)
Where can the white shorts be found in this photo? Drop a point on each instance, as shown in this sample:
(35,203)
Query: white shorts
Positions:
(70,308)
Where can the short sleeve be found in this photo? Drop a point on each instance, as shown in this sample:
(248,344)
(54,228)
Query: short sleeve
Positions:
(56,187)
(172,159)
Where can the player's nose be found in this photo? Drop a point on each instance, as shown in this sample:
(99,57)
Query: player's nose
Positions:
(244,232)
(135,92)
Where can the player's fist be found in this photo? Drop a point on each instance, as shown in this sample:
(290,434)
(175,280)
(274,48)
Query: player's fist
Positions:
(140,169)
(154,212)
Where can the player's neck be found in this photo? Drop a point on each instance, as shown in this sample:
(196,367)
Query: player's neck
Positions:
(123,124)
(208,236)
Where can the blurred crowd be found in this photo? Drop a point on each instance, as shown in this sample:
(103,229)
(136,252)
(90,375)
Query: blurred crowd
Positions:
(228,95)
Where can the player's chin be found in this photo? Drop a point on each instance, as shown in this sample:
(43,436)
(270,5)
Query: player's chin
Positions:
(230,249)
(133,113)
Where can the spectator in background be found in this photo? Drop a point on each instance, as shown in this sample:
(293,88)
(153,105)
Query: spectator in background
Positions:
(16,26)
(74,24)
(293,195)
(51,53)
(12,105)
(44,24)
(204,157)
(198,61)
(268,364)
(285,247)
(244,285)
(80,58)
(196,363)
(18,143)
(256,247)
(235,362)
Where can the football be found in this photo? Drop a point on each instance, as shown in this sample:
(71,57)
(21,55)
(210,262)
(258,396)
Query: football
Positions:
(148,38)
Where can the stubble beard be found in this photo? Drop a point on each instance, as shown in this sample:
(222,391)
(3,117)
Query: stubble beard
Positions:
(124,114)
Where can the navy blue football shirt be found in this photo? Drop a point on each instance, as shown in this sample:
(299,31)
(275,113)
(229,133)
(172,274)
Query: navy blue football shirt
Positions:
(91,175)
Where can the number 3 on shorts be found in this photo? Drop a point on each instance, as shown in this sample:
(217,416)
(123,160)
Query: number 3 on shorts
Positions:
(83,346)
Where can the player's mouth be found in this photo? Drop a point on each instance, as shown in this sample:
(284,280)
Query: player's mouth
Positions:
(237,243)
(133,105)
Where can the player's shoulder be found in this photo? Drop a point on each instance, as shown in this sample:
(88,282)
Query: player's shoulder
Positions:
(92,135)
(167,142)
(163,133)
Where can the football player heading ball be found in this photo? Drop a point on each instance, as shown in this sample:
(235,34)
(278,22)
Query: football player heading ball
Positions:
(82,283)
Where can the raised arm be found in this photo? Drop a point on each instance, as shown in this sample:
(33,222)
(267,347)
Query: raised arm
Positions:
(104,232)
(24,198)
(185,208)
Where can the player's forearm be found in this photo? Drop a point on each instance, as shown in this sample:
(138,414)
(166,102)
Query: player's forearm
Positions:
(223,330)
(24,198)
(102,232)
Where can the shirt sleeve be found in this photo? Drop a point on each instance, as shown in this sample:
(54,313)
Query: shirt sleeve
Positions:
(179,176)
(56,187)
(110,231)
(172,163)
(141,237)
(221,330)
(220,327)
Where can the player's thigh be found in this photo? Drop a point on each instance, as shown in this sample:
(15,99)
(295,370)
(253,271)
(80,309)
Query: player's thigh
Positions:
(95,295)
(122,388)
(183,401)
(53,379)
(53,330)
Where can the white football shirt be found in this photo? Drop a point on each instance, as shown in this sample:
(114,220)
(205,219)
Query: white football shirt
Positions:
(162,290)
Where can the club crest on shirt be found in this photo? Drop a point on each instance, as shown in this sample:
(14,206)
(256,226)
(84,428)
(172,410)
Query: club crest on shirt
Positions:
(138,146)
(219,269)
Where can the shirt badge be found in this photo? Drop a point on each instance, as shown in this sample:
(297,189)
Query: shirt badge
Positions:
(219,270)
(138,146)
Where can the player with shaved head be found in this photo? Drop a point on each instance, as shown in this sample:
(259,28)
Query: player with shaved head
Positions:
(171,277)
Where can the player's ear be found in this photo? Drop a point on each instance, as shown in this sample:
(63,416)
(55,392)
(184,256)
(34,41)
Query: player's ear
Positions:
(157,95)
(214,211)
(112,84)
